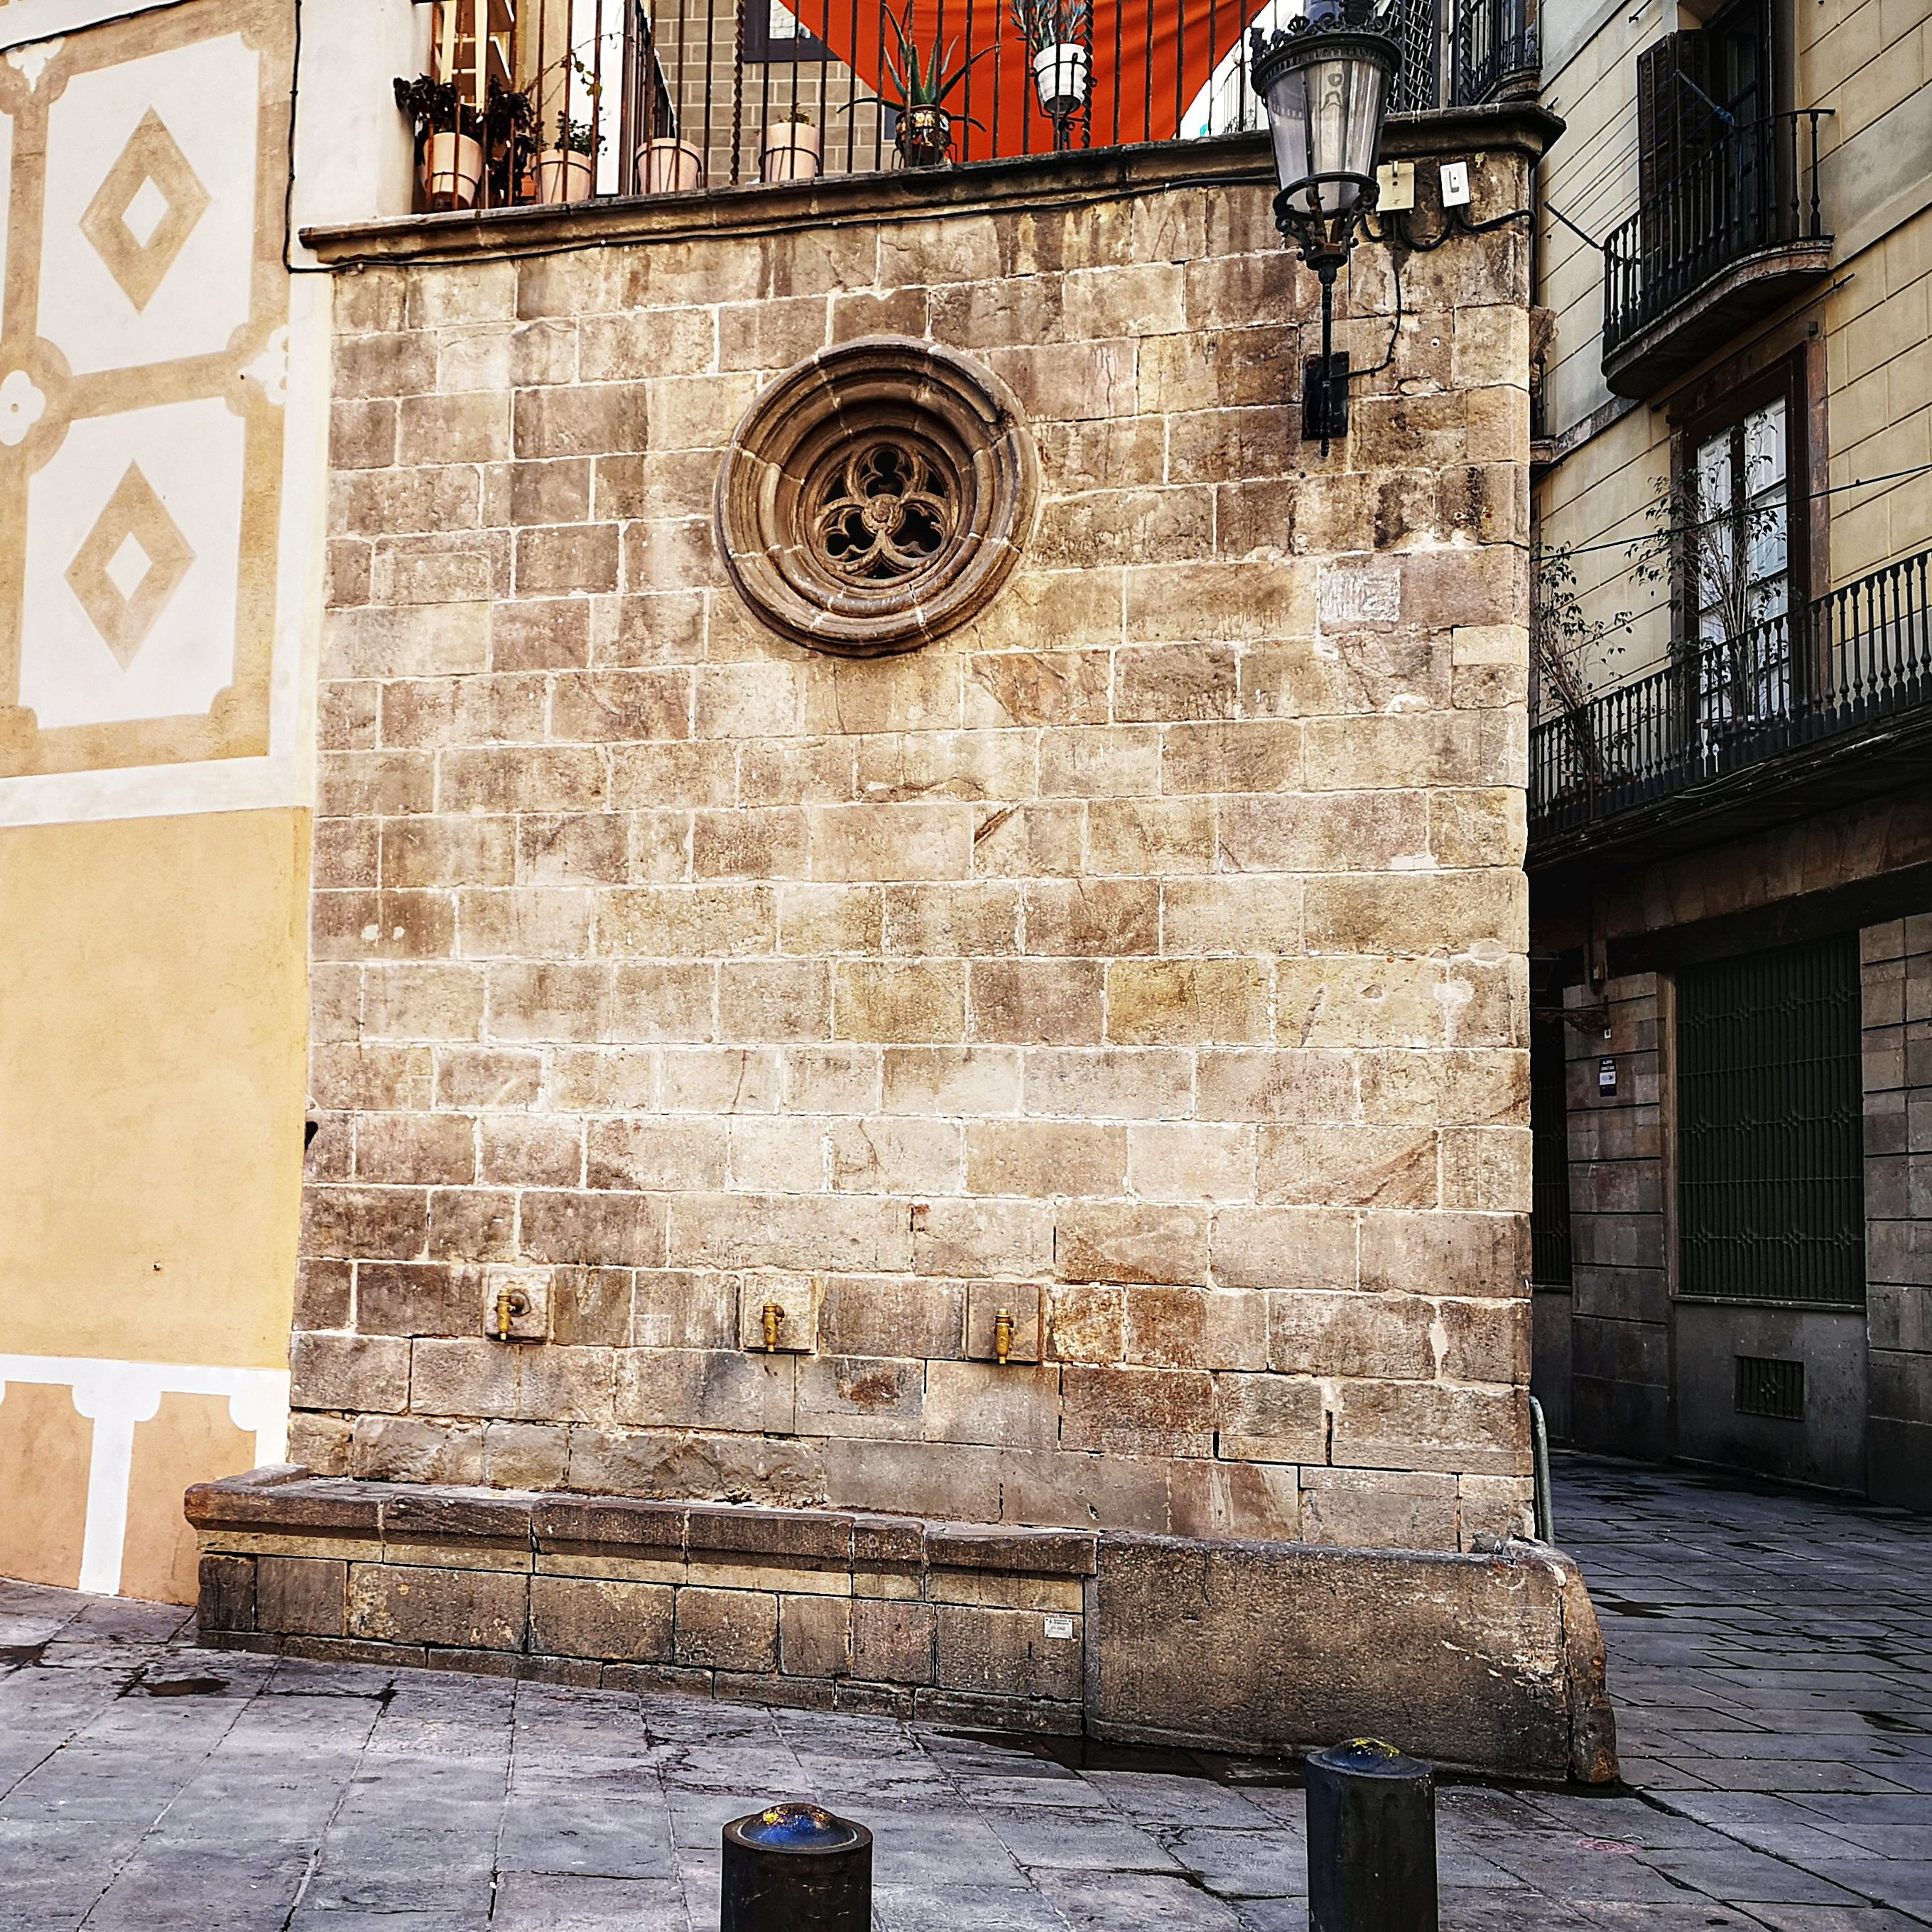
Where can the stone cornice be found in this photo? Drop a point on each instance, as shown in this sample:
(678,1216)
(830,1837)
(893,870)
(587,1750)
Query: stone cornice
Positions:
(1038,182)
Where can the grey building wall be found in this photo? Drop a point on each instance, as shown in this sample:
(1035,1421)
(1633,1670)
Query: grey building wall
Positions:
(1897,975)
(1620,1295)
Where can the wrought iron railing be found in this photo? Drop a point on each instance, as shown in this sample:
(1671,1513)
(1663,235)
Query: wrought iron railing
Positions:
(1857,660)
(540,101)
(1493,48)
(1755,187)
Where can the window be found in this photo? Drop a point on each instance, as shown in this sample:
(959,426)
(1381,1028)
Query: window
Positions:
(773,33)
(1742,529)
(1770,1127)
(1739,566)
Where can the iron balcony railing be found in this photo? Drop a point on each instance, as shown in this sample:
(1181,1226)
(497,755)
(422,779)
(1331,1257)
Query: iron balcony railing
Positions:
(1857,660)
(549,100)
(1752,188)
(1494,49)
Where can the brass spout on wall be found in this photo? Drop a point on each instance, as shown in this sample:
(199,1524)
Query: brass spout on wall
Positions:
(774,1316)
(510,1303)
(1003,1335)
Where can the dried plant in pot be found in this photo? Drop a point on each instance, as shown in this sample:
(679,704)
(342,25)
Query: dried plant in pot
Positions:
(792,150)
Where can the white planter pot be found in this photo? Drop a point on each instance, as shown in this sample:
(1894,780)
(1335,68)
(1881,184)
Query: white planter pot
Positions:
(791,151)
(453,169)
(1063,75)
(564,174)
(669,167)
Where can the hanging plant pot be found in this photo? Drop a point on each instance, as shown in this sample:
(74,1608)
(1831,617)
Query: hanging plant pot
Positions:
(453,166)
(564,174)
(669,167)
(1062,75)
(791,151)
(924,137)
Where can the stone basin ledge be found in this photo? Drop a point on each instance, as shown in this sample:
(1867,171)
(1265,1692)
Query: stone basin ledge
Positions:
(1490,1662)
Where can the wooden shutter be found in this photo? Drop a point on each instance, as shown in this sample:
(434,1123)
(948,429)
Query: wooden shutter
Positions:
(1672,121)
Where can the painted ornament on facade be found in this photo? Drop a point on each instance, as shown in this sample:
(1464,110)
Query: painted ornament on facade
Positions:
(141,386)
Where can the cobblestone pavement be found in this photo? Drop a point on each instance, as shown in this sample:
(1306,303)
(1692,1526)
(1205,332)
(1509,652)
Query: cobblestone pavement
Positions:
(1771,1657)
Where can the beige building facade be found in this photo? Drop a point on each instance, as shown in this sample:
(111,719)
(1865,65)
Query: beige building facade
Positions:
(1734,506)
(164,398)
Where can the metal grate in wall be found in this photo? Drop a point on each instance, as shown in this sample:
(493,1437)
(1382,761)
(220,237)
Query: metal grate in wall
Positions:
(1770,1129)
(1767,1386)
(1549,1153)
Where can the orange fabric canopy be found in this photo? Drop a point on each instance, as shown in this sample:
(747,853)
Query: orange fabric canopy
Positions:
(1150,59)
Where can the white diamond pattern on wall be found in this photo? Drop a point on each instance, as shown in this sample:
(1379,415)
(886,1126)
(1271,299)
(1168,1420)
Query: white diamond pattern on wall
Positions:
(142,388)
(145,210)
(133,562)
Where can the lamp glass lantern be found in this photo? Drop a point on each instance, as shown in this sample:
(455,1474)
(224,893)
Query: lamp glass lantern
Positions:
(1325,82)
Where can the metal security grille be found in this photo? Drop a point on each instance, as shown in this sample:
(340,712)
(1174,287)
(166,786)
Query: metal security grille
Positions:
(1769,1105)
(1549,1153)
(1768,1387)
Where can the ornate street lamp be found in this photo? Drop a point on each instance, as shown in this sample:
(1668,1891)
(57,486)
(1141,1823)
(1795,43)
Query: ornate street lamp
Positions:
(1325,82)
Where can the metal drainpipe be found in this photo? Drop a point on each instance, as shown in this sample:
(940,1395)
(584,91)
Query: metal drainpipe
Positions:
(1539,1449)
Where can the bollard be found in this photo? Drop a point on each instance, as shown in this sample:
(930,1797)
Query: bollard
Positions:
(1371,1840)
(795,1868)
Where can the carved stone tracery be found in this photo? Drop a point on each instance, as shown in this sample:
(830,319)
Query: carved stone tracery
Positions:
(875,496)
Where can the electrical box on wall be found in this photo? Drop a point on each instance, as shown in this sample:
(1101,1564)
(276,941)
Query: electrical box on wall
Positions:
(1455,184)
(1395,187)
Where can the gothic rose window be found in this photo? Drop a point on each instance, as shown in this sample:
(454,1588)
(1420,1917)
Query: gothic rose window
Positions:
(876,496)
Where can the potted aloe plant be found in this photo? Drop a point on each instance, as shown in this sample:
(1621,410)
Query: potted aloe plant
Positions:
(791,147)
(923,135)
(568,171)
(448,143)
(1057,31)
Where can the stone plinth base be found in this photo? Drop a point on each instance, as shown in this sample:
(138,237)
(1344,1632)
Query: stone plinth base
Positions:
(1492,1662)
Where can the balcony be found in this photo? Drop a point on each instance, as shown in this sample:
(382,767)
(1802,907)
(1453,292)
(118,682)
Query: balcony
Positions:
(545,101)
(1494,51)
(1728,236)
(1834,706)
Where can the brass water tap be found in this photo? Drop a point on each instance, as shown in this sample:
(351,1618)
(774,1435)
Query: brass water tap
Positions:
(774,1316)
(1003,1335)
(510,1302)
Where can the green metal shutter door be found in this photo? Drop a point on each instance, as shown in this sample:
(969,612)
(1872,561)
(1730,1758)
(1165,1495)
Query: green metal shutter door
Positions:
(1770,1109)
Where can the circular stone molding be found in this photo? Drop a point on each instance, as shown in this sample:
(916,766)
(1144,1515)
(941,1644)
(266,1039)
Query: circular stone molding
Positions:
(875,496)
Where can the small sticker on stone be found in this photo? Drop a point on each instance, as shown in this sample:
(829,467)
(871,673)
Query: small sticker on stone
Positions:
(1060,1626)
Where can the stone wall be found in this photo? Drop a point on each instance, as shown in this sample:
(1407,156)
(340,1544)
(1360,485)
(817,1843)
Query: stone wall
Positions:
(1897,974)
(1145,959)
(1619,1301)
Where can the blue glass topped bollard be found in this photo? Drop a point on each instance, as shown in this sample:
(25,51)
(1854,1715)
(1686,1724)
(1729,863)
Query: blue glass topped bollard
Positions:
(795,1868)
(1371,1840)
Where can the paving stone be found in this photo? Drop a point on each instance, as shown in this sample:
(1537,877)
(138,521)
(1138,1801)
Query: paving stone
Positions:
(1752,1639)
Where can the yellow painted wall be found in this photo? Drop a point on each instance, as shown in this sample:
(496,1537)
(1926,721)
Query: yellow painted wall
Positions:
(1867,60)
(153,1027)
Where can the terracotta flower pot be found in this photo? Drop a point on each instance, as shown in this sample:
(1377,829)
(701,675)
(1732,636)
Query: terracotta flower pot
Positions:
(791,151)
(453,169)
(924,137)
(564,174)
(1062,74)
(669,167)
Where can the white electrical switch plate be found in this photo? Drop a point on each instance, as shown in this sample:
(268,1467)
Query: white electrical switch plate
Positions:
(1395,186)
(1455,184)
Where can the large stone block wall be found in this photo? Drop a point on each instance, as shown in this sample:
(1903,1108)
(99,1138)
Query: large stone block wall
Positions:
(1619,1302)
(1146,958)
(1897,969)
